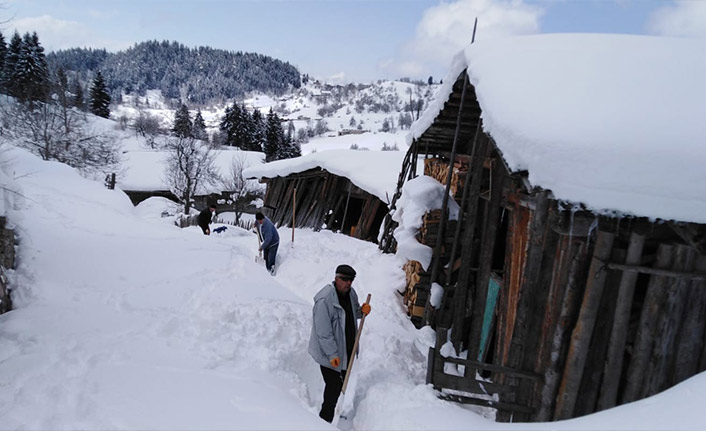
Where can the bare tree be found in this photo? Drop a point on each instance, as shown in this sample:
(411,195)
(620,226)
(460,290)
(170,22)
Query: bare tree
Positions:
(242,191)
(148,126)
(55,132)
(190,164)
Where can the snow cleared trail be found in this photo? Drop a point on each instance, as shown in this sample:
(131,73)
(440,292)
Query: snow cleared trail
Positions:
(128,323)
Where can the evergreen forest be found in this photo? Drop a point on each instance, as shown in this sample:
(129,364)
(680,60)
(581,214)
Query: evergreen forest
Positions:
(196,76)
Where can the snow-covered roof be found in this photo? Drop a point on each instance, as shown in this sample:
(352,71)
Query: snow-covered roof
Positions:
(144,169)
(376,172)
(615,122)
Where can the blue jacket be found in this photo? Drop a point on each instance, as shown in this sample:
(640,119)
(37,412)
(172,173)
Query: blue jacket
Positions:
(328,332)
(269,233)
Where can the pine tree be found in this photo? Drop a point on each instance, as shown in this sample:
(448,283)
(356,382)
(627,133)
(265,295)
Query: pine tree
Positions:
(3,54)
(258,124)
(61,87)
(240,129)
(38,81)
(229,123)
(10,84)
(100,99)
(246,131)
(78,101)
(199,127)
(274,137)
(183,127)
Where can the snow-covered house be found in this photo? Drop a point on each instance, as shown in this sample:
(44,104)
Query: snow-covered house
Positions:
(143,176)
(343,190)
(568,267)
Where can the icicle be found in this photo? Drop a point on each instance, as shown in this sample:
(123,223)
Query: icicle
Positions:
(572,211)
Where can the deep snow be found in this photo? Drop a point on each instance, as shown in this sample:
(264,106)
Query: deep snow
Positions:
(124,321)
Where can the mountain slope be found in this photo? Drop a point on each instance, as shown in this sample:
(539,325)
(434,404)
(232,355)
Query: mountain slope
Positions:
(200,75)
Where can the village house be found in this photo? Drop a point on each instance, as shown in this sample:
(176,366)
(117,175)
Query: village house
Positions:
(564,270)
(144,176)
(341,190)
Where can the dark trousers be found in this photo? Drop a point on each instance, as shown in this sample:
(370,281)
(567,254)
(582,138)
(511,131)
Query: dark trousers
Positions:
(270,254)
(334,382)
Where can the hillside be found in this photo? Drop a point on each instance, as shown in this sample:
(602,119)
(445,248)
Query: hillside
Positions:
(198,76)
(319,116)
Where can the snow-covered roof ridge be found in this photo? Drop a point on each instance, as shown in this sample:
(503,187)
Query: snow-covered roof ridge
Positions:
(615,122)
(376,172)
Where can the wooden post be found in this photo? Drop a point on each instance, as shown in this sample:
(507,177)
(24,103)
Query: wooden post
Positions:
(471,189)
(574,280)
(581,336)
(520,343)
(294,212)
(668,324)
(691,338)
(592,379)
(436,257)
(645,332)
(616,347)
(345,211)
(485,260)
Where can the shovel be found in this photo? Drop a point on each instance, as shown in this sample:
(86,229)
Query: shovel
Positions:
(342,397)
(258,257)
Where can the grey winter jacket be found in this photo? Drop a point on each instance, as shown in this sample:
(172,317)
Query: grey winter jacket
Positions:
(328,337)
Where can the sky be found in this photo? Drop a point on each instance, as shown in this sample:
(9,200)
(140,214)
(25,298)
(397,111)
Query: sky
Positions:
(341,40)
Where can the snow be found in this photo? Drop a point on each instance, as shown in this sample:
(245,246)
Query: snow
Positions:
(124,321)
(365,141)
(614,122)
(376,172)
(419,196)
(143,169)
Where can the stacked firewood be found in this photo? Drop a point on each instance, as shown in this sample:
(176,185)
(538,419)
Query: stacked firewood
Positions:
(438,169)
(430,228)
(415,303)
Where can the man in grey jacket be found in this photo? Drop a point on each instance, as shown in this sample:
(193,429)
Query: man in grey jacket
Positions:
(336,310)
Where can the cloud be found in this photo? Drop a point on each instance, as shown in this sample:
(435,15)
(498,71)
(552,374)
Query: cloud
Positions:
(683,18)
(337,78)
(447,28)
(55,34)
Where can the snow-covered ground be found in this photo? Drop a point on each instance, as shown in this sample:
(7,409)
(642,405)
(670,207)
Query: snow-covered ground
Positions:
(124,321)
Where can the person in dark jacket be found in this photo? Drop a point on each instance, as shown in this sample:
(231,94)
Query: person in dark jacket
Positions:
(205,217)
(333,332)
(270,240)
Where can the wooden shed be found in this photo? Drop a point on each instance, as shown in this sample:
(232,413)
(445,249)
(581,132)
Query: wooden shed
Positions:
(559,305)
(341,190)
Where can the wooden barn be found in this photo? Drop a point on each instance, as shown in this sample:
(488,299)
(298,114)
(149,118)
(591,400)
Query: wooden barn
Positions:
(341,190)
(574,277)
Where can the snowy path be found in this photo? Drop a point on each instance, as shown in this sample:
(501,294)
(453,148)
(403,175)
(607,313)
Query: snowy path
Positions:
(123,322)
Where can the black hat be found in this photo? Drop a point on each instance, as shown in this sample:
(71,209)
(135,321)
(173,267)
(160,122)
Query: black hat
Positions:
(345,270)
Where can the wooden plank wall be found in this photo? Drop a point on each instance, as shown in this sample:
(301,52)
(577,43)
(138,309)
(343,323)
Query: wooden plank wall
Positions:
(568,313)
(572,310)
(320,199)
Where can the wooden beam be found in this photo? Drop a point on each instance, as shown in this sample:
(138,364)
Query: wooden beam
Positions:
(691,337)
(616,348)
(642,345)
(581,336)
(668,324)
(670,273)
(572,277)
(485,260)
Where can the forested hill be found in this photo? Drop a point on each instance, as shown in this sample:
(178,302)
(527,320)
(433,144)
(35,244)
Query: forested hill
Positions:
(193,75)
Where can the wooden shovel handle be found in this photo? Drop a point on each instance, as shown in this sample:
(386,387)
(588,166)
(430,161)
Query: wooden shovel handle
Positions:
(355,349)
